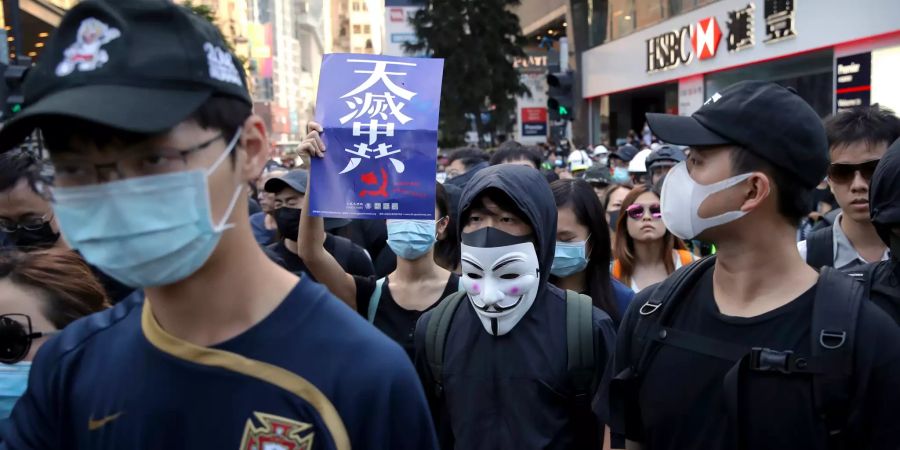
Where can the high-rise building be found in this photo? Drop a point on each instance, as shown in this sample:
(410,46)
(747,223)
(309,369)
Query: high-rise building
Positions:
(357,25)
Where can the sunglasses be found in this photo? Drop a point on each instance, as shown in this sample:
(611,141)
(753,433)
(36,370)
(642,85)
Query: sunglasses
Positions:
(16,336)
(637,212)
(844,173)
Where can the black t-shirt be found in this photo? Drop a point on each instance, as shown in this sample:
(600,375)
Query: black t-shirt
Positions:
(392,319)
(352,258)
(681,400)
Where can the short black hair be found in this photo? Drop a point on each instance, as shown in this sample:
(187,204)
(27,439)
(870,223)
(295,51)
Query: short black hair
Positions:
(446,250)
(871,124)
(22,163)
(501,199)
(793,197)
(470,156)
(226,114)
(580,196)
(516,153)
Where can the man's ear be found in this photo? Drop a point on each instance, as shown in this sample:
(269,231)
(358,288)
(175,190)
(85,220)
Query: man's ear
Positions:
(254,143)
(442,228)
(757,189)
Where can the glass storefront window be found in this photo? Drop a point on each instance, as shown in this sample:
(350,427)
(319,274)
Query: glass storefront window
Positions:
(627,16)
(809,74)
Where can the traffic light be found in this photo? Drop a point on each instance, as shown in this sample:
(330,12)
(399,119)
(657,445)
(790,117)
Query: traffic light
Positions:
(11,90)
(559,96)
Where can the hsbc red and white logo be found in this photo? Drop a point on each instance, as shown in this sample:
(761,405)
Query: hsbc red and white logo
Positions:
(669,50)
(705,38)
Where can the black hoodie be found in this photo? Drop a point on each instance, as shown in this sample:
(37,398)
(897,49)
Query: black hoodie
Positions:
(884,201)
(513,391)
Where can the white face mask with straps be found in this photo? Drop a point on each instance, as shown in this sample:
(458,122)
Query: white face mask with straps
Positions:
(681,199)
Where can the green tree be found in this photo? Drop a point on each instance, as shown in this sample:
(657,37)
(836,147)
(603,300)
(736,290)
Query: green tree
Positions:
(479,41)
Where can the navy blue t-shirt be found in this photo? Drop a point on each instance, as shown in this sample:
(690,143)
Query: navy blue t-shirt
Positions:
(312,375)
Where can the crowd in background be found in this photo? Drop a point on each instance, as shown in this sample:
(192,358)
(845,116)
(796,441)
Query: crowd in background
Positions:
(734,292)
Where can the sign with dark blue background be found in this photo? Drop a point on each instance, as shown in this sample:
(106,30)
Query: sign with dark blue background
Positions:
(380,116)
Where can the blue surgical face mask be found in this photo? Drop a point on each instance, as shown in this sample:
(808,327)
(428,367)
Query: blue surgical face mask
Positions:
(621,175)
(146,231)
(13,381)
(569,258)
(411,239)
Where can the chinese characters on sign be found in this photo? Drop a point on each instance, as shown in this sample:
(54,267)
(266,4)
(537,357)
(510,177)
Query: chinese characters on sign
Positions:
(740,28)
(779,20)
(380,118)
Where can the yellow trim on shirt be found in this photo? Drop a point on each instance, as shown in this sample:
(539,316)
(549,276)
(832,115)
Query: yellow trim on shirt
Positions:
(268,373)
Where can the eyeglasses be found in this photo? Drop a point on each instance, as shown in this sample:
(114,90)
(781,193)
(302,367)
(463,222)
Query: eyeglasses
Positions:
(637,211)
(30,224)
(16,337)
(75,172)
(844,173)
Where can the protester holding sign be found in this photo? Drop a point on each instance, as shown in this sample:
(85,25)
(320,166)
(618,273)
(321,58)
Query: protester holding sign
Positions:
(395,302)
(153,145)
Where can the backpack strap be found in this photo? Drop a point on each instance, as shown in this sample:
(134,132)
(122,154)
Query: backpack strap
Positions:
(830,362)
(834,321)
(820,248)
(660,307)
(580,344)
(375,299)
(436,337)
(662,301)
(581,364)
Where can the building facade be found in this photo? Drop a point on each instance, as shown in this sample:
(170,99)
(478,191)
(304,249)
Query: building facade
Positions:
(652,56)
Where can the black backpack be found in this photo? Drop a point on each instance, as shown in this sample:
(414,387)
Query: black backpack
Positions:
(581,366)
(830,361)
(820,248)
(820,253)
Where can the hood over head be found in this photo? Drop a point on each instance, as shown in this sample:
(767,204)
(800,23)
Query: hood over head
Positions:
(530,192)
(884,193)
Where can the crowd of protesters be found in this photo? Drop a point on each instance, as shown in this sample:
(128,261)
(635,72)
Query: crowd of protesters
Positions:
(707,284)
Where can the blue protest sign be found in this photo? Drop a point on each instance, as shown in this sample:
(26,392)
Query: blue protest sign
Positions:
(380,116)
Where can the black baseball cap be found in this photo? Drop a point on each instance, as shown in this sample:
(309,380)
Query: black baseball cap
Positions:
(598,175)
(295,179)
(625,153)
(141,66)
(665,154)
(769,120)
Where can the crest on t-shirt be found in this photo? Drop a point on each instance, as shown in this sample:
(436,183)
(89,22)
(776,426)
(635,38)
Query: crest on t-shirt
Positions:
(276,433)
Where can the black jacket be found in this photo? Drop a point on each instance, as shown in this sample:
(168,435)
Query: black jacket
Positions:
(512,391)
(884,207)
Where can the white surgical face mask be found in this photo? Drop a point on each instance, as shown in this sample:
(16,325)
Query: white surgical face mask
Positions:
(681,199)
(501,276)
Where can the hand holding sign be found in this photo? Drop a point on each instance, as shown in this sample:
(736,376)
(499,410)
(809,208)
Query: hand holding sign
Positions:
(312,144)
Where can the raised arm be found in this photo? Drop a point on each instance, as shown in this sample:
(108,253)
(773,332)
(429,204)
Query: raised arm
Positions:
(311,241)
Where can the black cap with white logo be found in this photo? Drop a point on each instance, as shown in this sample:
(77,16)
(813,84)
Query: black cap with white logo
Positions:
(767,119)
(135,65)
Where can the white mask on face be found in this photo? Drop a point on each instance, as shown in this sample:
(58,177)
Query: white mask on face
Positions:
(681,199)
(501,275)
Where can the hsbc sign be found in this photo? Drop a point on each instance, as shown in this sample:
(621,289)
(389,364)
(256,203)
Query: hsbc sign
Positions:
(669,50)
